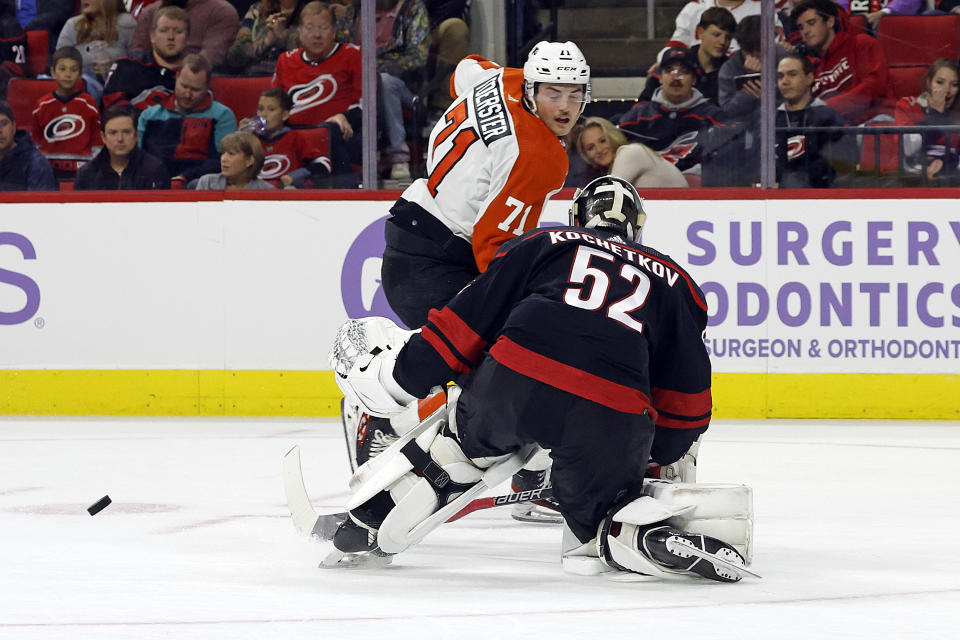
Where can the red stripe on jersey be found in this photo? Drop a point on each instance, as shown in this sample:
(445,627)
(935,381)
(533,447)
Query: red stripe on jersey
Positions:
(682,404)
(464,339)
(570,379)
(672,423)
(443,350)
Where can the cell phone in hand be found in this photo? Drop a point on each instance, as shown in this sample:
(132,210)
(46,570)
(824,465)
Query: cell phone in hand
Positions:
(745,78)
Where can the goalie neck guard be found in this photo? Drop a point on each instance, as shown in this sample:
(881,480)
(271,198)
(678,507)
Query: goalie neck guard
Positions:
(559,62)
(609,203)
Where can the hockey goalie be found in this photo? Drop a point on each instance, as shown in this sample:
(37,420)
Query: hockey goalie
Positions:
(577,340)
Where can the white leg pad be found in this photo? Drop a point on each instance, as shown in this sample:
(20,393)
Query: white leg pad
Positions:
(723,511)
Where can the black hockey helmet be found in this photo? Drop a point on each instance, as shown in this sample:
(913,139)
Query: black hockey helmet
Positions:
(609,203)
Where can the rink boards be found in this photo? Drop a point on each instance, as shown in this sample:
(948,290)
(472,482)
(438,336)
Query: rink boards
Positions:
(836,308)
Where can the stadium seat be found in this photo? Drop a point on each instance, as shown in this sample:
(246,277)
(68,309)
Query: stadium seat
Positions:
(37,52)
(886,161)
(906,81)
(912,40)
(23,95)
(857,24)
(240,94)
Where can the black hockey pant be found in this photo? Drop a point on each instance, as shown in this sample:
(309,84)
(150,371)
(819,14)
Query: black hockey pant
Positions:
(599,454)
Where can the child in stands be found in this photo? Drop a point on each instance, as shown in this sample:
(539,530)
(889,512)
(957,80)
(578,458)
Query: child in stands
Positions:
(66,123)
(291,155)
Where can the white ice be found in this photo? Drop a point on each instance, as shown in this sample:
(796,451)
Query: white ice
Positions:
(857,531)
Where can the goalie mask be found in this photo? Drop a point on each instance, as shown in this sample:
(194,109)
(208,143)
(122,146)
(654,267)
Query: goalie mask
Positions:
(558,62)
(609,203)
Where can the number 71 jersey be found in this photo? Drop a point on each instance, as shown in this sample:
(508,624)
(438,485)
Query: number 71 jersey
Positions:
(492,165)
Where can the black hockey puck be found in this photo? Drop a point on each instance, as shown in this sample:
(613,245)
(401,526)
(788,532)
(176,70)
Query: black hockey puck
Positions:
(99,505)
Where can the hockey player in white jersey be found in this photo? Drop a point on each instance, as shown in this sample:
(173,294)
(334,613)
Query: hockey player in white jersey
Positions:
(494,160)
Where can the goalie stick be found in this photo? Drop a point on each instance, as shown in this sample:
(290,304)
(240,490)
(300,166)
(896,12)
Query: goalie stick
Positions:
(323,525)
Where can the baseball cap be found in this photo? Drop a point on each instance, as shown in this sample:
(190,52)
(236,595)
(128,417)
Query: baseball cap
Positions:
(682,55)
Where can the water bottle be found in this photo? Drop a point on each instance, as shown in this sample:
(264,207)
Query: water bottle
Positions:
(255,125)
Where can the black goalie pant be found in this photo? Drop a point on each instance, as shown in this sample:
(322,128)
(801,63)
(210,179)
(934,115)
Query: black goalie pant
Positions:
(599,454)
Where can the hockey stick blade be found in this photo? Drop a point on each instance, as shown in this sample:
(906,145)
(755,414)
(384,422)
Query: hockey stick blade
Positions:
(305,518)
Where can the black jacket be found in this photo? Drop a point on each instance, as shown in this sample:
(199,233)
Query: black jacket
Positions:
(24,168)
(145,171)
(812,159)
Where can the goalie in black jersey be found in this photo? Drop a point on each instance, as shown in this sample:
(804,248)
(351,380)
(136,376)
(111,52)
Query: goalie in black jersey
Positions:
(578,340)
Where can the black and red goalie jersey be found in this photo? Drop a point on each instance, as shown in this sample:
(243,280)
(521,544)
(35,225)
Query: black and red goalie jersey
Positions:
(581,310)
(320,89)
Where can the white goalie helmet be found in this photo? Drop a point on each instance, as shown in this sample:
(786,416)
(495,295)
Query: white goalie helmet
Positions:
(559,62)
(609,203)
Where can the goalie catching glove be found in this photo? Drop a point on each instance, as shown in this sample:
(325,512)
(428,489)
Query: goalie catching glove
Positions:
(362,356)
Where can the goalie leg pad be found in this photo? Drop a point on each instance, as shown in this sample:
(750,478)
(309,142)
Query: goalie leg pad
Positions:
(723,511)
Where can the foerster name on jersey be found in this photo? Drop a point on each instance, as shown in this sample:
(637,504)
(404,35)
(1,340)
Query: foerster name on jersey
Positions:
(492,119)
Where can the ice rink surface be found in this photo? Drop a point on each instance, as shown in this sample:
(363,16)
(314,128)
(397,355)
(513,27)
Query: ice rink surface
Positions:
(856,537)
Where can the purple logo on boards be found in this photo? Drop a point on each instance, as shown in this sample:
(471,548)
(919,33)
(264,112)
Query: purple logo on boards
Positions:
(19,281)
(360,285)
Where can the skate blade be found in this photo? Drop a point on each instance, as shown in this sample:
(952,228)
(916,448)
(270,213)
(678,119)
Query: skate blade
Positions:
(538,517)
(337,559)
(727,569)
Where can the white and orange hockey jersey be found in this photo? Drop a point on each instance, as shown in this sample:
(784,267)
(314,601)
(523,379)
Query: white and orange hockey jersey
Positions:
(492,165)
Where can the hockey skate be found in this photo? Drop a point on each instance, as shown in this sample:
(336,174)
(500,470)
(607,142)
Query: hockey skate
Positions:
(544,510)
(692,553)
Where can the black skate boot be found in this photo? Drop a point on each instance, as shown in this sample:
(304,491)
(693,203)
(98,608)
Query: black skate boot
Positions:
(686,552)
(543,509)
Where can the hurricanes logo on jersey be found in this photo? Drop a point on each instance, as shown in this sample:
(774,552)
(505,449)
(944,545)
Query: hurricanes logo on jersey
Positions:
(275,165)
(64,127)
(317,91)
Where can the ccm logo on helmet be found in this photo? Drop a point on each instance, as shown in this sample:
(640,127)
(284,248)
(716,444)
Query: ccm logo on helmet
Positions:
(566,68)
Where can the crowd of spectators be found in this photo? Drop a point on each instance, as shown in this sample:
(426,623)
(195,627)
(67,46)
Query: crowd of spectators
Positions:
(149,65)
(700,106)
(696,121)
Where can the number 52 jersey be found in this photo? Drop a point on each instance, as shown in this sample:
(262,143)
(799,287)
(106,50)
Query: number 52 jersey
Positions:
(583,311)
(492,165)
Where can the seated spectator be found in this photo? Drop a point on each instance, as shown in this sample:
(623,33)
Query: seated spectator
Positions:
(739,93)
(213,28)
(605,150)
(322,78)
(240,162)
(714,32)
(449,44)
(686,34)
(44,15)
(291,156)
(101,33)
(22,166)
(876,9)
(937,105)
(267,30)
(186,128)
(805,159)
(403,29)
(672,121)
(144,83)
(121,164)
(13,46)
(852,74)
(66,122)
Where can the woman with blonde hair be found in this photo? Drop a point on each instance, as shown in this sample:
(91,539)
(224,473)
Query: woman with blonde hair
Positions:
(101,32)
(241,159)
(606,150)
